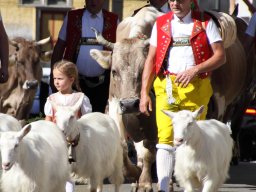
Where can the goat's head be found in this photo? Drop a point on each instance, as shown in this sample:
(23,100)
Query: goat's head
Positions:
(183,124)
(66,118)
(9,145)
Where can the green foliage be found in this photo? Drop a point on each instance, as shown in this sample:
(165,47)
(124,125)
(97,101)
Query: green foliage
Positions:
(35,118)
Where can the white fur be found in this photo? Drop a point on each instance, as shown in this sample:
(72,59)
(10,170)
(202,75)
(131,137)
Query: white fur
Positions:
(145,16)
(8,122)
(204,151)
(34,159)
(99,150)
(141,23)
(115,113)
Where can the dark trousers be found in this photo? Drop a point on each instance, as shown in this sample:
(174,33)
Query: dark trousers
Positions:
(98,95)
(44,93)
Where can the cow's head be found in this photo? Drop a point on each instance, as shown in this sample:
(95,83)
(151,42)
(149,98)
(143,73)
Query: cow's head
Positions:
(128,56)
(126,61)
(25,55)
(25,72)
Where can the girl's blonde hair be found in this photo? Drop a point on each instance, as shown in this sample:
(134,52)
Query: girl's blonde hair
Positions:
(70,70)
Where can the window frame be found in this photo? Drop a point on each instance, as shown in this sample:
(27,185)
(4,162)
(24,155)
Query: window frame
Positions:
(44,3)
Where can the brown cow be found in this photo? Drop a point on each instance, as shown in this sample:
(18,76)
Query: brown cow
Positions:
(126,62)
(25,73)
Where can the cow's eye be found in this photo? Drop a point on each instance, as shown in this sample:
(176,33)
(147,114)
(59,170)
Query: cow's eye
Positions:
(114,73)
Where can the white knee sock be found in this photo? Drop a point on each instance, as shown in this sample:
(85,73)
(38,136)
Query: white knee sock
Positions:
(164,165)
(70,186)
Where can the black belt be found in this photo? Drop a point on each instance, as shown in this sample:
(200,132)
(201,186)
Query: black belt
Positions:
(89,41)
(95,79)
(92,81)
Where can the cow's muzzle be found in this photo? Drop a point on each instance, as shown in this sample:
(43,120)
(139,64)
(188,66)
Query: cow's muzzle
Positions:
(130,105)
(30,84)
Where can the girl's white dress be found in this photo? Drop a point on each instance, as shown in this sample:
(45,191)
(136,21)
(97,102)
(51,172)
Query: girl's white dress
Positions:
(67,100)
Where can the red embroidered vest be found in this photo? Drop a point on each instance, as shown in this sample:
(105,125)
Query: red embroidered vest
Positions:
(74,30)
(198,39)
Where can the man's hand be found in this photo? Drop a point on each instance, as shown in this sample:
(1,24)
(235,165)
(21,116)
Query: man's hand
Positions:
(185,77)
(145,104)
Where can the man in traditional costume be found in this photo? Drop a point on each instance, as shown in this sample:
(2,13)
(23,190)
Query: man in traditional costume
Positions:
(74,43)
(185,46)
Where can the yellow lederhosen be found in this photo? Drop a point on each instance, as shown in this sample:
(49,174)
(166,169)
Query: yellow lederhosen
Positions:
(197,93)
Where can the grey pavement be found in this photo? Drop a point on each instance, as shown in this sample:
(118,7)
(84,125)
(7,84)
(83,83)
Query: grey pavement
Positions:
(242,179)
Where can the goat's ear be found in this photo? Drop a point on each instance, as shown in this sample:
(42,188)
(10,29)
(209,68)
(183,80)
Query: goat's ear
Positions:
(78,104)
(24,131)
(54,105)
(168,113)
(198,112)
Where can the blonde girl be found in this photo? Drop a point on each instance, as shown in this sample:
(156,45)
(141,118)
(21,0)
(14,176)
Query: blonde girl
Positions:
(65,77)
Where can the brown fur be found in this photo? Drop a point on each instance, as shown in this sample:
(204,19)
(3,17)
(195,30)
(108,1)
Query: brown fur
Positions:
(24,64)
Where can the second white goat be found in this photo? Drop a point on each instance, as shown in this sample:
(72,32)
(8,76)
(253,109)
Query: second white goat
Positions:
(96,145)
(204,151)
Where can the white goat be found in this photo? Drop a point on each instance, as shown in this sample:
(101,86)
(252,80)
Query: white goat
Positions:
(34,159)
(204,151)
(98,150)
(115,113)
(8,122)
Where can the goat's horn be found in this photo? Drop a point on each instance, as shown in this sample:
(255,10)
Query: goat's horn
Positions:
(102,40)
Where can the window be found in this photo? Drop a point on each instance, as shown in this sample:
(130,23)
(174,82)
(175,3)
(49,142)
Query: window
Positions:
(31,2)
(46,2)
(57,2)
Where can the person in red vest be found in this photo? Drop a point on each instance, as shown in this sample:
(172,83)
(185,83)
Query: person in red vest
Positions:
(185,46)
(74,43)
(4,53)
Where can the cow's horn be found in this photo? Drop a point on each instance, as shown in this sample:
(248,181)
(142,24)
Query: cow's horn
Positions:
(43,41)
(13,43)
(102,40)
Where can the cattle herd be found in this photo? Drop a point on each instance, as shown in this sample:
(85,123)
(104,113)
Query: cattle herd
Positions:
(233,84)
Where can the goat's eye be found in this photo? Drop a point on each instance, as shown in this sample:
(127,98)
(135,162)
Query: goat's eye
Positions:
(72,117)
(190,123)
(16,144)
